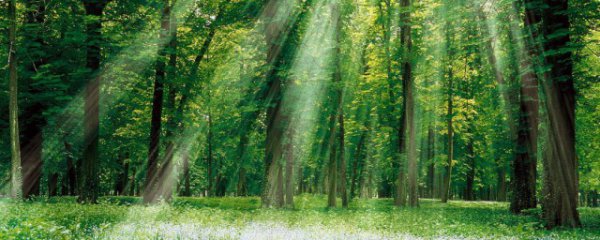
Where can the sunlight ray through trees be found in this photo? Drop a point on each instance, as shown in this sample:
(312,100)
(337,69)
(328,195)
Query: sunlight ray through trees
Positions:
(410,106)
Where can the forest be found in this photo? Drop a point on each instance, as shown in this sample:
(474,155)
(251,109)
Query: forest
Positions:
(300,119)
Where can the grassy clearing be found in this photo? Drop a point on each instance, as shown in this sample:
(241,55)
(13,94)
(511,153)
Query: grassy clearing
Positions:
(242,218)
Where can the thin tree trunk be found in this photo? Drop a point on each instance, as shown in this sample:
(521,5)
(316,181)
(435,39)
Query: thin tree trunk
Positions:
(209,158)
(342,167)
(71,170)
(186,176)
(132,182)
(279,193)
(16,177)
(336,118)
(409,106)
(123,172)
(152,173)
(289,168)
(449,120)
(167,180)
(88,192)
(52,184)
(431,160)
(469,190)
(470,151)
(32,119)
(500,179)
(356,164)
(332,173)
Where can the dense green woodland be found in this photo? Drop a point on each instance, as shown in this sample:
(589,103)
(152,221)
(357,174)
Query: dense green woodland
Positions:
(387,110)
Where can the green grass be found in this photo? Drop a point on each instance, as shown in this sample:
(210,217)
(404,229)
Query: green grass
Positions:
(233,218)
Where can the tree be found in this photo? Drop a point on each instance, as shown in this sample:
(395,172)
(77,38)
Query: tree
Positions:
(337,167)
(16,180)
(525,163)
(408,90)
(152,173)
(559,203)
(282,31)
(88,192)
(449,119)
(32,119)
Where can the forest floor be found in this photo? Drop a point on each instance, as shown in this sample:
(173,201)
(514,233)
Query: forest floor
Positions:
(242,218)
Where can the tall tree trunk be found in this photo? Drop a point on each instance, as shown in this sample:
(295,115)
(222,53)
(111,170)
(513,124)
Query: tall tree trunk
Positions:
(431,160)
(167,180)
(470,151)
(302,186)
(449,115)
(183,101)
(279,193)
(186,176)
(52,184)
(71,174)
(409,105)
(152,174)
(88,192)
(525,164)
(336,118)
(470,179)
(357,163)
(16,177)
(289,168)
(398,116)
(209,158)
(449,121)
(342,167)
(281,37)
(559,204)
(333,164)
(274,32)
(32,119)
(122,173)
(501,181)
(132,182)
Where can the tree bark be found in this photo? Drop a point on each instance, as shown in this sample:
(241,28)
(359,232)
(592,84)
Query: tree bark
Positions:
(342,167)
(559,204)
(122,173)
(71,174)
(273,36)
(186,176)
(470,179)
(409,103)
(52,184)
(167,180)
(431,160)
(501,183)
(289,168)
(525,164)
(449,121)
(470,151)
(209,158)
(16,177)
(152,174)
(132,182)
(281,37)
(32,119)
(357,163)
(88,192)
